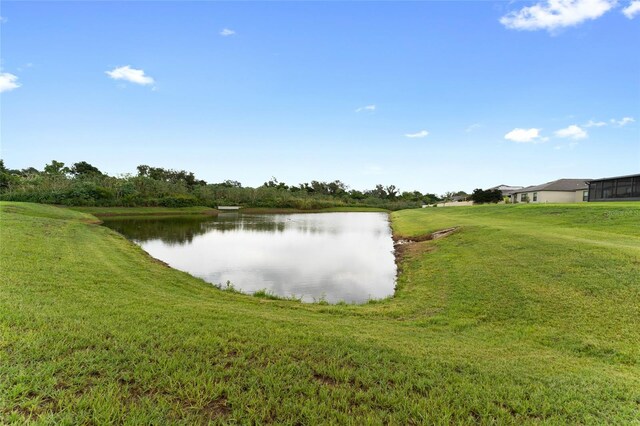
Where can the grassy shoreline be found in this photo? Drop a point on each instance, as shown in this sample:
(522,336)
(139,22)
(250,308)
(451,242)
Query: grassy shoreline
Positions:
(526,314)
(144,211)
(181,211)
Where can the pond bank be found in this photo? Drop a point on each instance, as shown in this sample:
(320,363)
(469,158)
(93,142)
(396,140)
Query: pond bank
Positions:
(179,211)
(523,317)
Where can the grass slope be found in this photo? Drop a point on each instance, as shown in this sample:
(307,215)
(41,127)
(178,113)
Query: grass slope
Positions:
(527,314)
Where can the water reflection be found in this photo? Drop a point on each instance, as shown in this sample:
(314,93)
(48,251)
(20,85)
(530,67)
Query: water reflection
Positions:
(331,256)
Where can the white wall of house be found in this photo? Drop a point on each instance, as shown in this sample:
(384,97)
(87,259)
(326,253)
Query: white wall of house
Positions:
(455,204)
(552,196)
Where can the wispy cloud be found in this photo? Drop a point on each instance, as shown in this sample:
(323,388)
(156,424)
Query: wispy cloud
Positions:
(420,134)
(370,108)
(8,82)
(473,127)
(632,10)
(622,122)
(572,132)
(226,32)
(525,136)
(592,123)
(551,15)
(3,20)
(131,75)
(372,170)
(25,66)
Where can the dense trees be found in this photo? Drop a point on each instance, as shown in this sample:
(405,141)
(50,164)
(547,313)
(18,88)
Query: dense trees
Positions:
(481,196)
(85,184)
(84,169)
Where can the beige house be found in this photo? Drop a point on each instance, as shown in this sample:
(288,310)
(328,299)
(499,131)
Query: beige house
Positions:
(558,191)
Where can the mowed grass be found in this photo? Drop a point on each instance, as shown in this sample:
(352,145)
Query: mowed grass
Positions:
(526,314)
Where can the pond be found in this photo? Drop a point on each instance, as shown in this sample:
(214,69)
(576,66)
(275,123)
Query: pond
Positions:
(329,257)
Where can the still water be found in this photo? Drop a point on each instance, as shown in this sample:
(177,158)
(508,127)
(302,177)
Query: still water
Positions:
(314,256)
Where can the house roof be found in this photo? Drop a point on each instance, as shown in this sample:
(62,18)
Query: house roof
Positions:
(506,189)
(558,185)
(614,177)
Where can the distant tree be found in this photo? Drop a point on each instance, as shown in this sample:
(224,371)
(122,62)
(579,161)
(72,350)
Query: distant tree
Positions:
(378,192)
(84,169)
(448,196)
(56,168)
(392,192)
(273,183)
(336,188)
(27,172)
(231,184)
(169,175)
(431,198)
(6,177)
(143,170)
(319,187)
(306,187)
(481,196)
(414,196)
(357,195)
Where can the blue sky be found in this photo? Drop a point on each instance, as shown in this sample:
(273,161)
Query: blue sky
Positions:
(434,96)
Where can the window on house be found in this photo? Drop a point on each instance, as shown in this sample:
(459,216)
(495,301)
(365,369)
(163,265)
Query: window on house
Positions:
(523,197)
(535,196)
(585,195)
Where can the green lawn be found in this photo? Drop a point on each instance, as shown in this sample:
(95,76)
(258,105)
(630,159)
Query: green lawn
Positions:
(526,314)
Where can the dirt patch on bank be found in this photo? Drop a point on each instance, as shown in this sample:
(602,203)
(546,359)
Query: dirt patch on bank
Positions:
(405,246)
(399,240)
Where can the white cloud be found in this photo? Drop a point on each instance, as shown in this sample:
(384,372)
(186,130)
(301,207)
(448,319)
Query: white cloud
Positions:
(420,134)
(551,15)
(3,20)
(632,10)
(622,122)
(366,108)
(525,136)
(226,32)
(592,123)
(473,127)
(131,75)
(8,82)
(572,132)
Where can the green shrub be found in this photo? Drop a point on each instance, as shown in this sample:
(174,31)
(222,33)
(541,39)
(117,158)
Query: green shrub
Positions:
(179,201)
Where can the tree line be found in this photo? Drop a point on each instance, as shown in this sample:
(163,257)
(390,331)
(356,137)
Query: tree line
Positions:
(83,184)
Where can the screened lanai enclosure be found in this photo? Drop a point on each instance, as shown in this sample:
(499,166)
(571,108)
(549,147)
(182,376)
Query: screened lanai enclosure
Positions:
(621,188)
